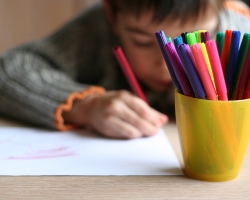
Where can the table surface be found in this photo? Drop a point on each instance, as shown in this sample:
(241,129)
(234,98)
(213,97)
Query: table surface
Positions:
(124,187)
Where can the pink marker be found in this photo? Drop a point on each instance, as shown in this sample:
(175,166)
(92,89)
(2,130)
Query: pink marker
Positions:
(202,70)
(217,70)
(128,72)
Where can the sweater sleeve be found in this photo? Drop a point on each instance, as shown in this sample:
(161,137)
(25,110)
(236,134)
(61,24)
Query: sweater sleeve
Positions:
(31,90)
(36,79)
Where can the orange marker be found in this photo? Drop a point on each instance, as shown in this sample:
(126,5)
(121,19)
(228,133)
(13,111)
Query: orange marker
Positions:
(225,50)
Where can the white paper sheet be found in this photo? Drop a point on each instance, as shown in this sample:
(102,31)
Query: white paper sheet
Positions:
(27,151)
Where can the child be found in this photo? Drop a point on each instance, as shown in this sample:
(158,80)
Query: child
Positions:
(71,78)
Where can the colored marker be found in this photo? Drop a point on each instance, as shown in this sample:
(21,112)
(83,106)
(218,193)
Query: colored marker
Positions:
(128,72)
(192,75)
(202,70)
(243,77)
(205,55)
(241,57)
(196,33)
(219,41)
(168,39)
(232,62)
(199,35)
(217,70)
(183,35)
(161,38)
(247,90)
(205,36)
(226,49)
(191,39)
(177,41)
(179,69)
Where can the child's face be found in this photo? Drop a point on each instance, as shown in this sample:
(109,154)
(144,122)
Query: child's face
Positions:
(137,37)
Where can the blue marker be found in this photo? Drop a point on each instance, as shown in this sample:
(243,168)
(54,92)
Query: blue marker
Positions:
(232,62)
(178,41)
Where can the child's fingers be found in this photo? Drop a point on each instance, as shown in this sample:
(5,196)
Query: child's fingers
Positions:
(114,127)
(150,114)
(123,115)
(145,111)
(129,116)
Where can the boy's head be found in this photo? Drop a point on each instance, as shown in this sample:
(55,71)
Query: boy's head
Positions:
(171,9)
(136,21)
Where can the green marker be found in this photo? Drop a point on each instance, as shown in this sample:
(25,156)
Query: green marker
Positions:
(219,41)
(196,33)
(169,39)
(191,39)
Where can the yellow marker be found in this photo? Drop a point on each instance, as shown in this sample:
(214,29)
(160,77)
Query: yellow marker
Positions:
(204,52)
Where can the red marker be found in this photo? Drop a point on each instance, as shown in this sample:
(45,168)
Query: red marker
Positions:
(225,49)
(128,73)
(247,91)
(243,79)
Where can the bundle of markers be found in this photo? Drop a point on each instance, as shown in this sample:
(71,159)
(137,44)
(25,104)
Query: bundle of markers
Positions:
(208,69)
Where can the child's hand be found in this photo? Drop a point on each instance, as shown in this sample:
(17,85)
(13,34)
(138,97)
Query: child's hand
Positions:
(117,114)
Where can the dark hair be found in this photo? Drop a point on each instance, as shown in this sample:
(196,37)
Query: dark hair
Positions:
(172,9)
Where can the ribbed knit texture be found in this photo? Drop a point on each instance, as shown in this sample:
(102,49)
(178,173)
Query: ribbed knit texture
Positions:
(36,78)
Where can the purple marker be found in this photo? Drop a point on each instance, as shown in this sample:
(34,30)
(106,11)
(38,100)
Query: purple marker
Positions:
(179,70)
(161,38)
(189,66)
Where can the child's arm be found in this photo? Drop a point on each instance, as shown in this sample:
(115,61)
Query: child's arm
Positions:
(31,89)
(37,78)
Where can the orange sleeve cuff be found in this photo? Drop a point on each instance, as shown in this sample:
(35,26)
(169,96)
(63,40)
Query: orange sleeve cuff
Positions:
(67,105)
(234,6)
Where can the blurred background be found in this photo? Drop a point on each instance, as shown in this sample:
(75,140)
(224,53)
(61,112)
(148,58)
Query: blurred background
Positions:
(26,20)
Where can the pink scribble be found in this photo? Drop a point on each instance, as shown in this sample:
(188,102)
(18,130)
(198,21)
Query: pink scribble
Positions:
(44,154)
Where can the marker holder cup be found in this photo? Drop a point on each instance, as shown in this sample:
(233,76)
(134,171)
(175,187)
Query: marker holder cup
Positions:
(214,136)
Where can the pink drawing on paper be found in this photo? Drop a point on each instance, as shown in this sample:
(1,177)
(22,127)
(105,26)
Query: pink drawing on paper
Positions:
(61,151)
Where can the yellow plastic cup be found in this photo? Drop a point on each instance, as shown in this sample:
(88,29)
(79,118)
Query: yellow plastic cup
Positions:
(214,136)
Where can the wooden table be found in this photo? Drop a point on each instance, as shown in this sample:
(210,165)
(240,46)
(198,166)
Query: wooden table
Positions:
(124,187)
